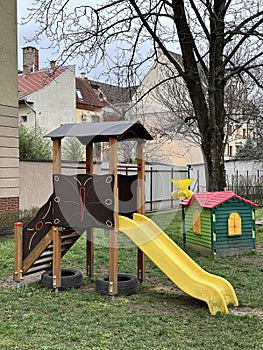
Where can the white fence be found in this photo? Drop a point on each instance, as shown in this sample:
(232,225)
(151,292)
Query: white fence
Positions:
(36,182)
(244,177)
(158,184)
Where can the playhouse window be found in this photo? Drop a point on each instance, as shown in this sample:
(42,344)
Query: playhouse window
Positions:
(197,222)
(234,224)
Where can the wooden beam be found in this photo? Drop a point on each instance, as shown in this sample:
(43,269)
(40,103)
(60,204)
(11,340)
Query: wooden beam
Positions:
(57,156)
(89,231)
(141,202)
(18,252)
(56,258)
(113,234)
(38,250)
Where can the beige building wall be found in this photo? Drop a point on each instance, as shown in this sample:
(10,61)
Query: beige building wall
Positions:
(150,112)
(53,105)
(9,154)
(85,116)
(36,181)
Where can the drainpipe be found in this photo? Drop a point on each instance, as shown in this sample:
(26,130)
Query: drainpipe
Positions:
(35,114)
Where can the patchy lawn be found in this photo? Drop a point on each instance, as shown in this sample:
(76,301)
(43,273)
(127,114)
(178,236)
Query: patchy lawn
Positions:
(159,316)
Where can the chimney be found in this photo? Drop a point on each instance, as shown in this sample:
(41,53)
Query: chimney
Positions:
(30,59)
(52,65)
(83,75)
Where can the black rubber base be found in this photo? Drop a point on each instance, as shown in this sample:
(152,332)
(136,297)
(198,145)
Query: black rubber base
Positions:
(127,284)
(69,279)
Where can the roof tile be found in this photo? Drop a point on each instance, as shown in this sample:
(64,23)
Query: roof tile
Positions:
(211,200)
(90,99)
(32,82)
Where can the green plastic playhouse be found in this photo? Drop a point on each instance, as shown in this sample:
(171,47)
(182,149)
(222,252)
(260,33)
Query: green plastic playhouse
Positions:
(222,222)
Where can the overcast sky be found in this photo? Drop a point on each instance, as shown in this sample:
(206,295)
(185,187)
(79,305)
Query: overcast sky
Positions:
(45,55)
(26,31)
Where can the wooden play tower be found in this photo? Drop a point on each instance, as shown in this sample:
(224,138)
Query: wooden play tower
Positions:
(88,134)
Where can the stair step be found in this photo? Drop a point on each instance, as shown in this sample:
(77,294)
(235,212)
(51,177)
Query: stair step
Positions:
(70,235)
(46,253)
(40,261)
(39,268)
(45,259)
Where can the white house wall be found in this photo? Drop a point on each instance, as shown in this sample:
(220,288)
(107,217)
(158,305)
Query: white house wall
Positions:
(54,105)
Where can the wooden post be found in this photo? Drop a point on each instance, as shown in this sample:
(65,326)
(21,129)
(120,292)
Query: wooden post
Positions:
(141,202)
(56,272)
(89,231)
(57,156)
(56,259)
(18,252)
(113,234)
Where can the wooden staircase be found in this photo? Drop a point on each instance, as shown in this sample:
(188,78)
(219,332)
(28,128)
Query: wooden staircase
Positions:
(41,258)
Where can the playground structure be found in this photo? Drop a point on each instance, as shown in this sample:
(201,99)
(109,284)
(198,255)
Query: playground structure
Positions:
(80,203)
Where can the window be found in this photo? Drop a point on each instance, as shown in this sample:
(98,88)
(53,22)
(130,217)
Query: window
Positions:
(79,94)
(197,222)
(95,118)
(234,224)
(24,118)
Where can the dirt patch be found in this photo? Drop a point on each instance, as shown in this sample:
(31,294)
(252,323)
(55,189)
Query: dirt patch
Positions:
(247,311)
(254,260)
(259,247)
(8,281)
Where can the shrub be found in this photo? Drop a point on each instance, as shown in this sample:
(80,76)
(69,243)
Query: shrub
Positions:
(32,145)
(8,218)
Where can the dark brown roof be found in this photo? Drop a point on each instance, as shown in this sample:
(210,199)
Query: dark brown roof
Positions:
(100,132)
(116,95)
(89,98)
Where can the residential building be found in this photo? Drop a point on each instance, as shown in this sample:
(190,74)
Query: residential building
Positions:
(53,96)
(9,144)
(89,107)
(118,96)
(164,110)
(47,97)
(155,108)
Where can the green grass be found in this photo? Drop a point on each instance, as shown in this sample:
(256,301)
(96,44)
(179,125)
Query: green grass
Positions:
(158,317)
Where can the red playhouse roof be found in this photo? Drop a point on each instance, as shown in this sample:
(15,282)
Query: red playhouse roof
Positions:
(211,200)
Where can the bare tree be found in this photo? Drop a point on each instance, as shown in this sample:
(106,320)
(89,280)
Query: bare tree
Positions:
(242,106)
(223,37)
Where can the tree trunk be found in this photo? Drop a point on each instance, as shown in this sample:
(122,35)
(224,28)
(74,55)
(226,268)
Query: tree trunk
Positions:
(213,145)
(213,152)
(209,109)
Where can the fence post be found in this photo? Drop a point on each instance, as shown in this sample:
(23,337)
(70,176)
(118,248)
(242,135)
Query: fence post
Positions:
(189,170)
(151,188)
(172,175)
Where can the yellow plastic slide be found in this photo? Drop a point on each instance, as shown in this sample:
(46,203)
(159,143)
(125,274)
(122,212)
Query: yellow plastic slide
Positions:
(217,292)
